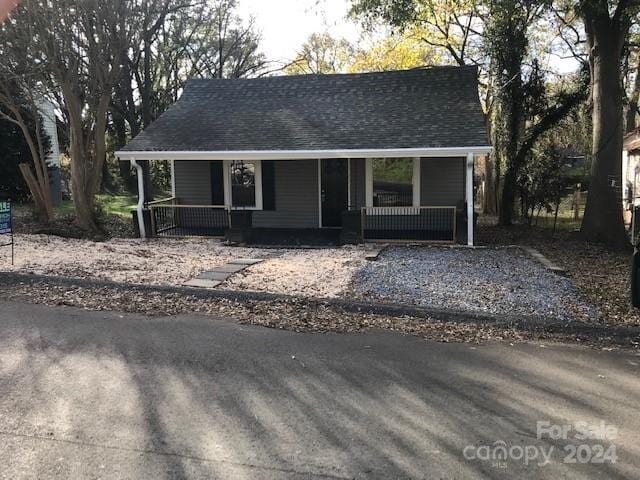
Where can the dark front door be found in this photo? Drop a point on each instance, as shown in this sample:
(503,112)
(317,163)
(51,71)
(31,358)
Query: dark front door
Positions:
(334,193)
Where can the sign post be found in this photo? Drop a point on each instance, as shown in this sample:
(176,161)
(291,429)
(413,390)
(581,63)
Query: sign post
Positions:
(5,226)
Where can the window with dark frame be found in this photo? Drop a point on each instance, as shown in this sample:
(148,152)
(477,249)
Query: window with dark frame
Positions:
(243,184)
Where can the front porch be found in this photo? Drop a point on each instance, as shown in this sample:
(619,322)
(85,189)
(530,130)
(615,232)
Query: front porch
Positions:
(169,218)
(318,201)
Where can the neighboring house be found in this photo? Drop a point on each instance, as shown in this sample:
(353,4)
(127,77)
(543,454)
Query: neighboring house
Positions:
(49,126)
(630,174)
(375,155)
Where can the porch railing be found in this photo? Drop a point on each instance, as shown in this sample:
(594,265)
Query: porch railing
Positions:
(171,220)
(163,201)
(435,224)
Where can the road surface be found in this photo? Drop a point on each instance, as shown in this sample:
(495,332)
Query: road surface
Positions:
(105,395)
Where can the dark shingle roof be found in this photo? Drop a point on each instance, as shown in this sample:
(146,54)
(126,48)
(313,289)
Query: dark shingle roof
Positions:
(422,108)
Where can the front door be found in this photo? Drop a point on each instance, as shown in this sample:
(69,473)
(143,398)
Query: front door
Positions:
(334,178)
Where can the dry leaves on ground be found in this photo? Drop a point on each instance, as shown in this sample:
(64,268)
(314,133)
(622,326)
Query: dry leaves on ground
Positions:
(296,314)
(602,277)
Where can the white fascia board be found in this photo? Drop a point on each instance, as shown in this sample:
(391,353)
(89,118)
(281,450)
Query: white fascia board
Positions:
(304,154)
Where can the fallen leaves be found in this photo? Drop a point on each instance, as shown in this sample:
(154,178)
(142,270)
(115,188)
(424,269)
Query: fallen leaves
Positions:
(295,314)
(602,277)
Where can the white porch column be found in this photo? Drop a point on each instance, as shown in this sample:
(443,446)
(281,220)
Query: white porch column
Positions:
(141,198)
(469,198)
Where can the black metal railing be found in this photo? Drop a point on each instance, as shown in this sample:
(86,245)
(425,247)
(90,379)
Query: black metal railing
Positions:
(437,224)
(189,220)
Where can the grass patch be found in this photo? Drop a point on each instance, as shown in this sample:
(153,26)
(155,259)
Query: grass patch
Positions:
(120,205)
(111,204)
(117,204)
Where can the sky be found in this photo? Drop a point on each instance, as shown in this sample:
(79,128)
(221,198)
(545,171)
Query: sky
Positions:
(286,24)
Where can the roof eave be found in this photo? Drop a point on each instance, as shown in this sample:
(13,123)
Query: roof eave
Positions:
(302,154)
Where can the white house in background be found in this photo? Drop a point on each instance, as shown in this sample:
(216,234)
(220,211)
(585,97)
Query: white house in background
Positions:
(48,114)
(371,156)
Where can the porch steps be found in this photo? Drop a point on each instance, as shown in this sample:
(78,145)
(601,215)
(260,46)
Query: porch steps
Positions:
(213,278)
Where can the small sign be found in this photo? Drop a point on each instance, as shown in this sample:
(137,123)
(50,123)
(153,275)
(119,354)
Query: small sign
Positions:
(5,225)
(5,216)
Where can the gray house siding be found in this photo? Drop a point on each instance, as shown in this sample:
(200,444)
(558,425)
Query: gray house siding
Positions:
(442,181)
(358,182)
(296,192)
(296,196)
(193,182)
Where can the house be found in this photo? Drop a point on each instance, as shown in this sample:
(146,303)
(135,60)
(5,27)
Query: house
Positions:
(371,156)
(630,176)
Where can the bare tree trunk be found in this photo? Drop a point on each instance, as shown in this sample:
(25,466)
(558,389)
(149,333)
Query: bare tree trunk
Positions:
(490,204)
(39,184)
(603,220)
(38,196)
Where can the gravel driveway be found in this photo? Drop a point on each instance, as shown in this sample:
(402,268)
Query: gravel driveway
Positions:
(499,281)
(503,280)
(317,272)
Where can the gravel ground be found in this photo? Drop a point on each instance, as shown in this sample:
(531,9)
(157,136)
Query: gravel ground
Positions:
(487,280)
(309,272)
(318,273)
(502,280)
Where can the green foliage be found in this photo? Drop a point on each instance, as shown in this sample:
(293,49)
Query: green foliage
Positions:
(116,204)
(393,169)
(544,181)
(451,27)
(14,151)
(396,52)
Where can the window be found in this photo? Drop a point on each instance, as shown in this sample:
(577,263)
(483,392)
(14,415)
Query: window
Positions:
(243,184)
(243,187)
(392,182)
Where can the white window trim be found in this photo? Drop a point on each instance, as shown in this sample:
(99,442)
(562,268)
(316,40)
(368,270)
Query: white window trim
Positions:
(415,182)
(226,170)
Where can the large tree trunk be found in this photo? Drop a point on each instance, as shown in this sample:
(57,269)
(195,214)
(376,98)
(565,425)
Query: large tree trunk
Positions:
(490,203)
(603,220)
(508,197)
(87,158)
(508,154)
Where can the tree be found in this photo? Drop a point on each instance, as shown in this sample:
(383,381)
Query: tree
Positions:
(20,95)
(495,34)
(395,52)
(452,27)
(523,109)
(76,47)
(14,150)
(178,40)
(607,26)
(322,53)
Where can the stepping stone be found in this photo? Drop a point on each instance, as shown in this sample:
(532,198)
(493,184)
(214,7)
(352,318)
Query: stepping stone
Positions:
(229,268)
(217,276)
(246,261)
(548,264)
(202,283)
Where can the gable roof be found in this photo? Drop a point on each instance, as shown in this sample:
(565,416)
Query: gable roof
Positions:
(422,108)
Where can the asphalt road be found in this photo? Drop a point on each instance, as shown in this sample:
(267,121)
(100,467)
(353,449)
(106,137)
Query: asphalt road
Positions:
(103,395)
